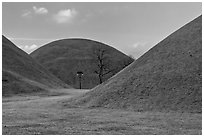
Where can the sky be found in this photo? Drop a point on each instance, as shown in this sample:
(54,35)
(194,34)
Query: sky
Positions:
(132,28)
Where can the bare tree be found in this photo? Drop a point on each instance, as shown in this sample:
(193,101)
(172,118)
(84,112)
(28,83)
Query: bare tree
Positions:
(102,60)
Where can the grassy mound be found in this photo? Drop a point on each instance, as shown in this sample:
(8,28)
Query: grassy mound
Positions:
(21,73)
(14,84)
(67,56)
(166,78)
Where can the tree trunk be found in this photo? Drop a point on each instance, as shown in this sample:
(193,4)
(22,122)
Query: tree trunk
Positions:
(100,79)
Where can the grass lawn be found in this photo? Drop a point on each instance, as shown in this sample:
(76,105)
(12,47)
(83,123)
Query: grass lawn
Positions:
(49,115)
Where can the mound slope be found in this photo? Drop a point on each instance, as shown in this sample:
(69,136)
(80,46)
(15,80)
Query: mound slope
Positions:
(67,56)
(167,77)
(22,74)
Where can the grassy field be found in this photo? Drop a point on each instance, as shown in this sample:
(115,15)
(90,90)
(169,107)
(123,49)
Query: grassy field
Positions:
(49,115)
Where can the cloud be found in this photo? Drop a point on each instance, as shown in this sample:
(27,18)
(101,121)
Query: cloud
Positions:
(139,48)
(35,10)
(33,46)
(139,44)
(28,48)
(65,16)
(26,14)
(40,10)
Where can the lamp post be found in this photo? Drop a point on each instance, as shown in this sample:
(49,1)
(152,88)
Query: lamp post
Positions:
(79,74)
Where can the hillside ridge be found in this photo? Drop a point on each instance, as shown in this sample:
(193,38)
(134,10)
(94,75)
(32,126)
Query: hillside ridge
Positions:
(166,78)
(67,56)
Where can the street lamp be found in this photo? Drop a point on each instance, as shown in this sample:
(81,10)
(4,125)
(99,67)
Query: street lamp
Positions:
(79,74)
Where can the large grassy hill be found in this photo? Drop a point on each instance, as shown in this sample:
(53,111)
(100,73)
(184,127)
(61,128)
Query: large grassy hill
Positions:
(67,56)
(166,78)
(22,74)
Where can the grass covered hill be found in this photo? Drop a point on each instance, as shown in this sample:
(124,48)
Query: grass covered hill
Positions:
(22,74)
(67,56)
(166,78)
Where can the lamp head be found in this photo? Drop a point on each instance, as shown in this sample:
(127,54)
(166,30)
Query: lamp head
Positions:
(80,73)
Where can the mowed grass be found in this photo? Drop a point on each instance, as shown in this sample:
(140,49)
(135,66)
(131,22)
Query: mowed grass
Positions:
(49,115)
